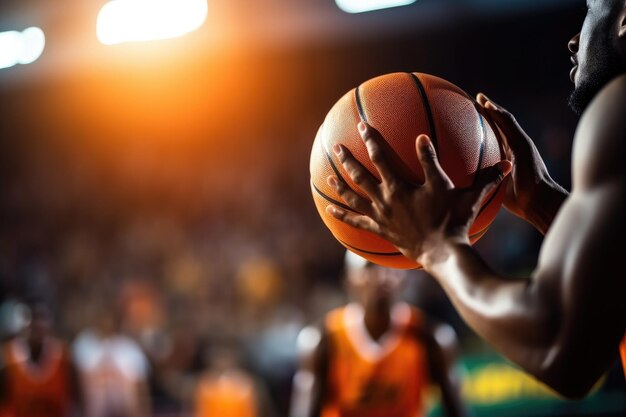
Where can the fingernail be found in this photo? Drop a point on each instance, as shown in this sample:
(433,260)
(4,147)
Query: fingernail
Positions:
(362,127)
(423,141)
(337,149)
(332,181)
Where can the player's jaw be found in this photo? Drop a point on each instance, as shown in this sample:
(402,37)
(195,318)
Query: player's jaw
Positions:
(598,53)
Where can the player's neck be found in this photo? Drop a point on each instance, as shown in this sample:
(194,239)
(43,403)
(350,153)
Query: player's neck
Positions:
(377,320)
(36,348)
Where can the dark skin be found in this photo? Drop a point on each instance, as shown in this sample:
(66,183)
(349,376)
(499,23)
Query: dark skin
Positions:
(375,292)
(562,324)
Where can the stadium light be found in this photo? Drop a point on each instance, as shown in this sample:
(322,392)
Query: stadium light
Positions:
(360,6)
(21,47)
(144,20)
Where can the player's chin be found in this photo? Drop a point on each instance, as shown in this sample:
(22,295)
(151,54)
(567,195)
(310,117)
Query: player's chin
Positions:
(382,295)
(579,99)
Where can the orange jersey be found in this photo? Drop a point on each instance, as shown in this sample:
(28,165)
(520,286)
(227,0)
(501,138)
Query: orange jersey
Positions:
(37,390)
(231,394)
(375,379)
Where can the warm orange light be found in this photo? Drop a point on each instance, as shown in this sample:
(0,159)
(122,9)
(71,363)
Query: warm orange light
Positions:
(144,20)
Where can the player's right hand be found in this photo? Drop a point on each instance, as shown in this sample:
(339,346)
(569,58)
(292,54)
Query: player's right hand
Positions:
(530,183)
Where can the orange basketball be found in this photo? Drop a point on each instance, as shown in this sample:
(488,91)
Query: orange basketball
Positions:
(401,106)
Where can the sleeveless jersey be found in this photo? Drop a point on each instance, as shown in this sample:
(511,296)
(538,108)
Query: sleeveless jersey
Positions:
(375,379)
(37,390)
(231,394)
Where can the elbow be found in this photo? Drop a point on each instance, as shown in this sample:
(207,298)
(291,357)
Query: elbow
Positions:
(568,381)
(570,390)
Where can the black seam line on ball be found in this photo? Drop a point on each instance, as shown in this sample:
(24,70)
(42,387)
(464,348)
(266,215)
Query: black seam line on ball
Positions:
(359,104)
(429,113)
(370,252)
(332,200)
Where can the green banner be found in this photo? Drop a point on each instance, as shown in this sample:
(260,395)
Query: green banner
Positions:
(493,387)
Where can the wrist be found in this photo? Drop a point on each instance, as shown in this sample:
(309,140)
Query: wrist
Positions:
(545,204)
(439,252)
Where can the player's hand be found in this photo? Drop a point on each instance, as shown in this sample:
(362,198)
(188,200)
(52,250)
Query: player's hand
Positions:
(531,189)
(415,219)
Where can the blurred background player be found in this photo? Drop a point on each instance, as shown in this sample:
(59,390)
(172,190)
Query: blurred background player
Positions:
(376,356)
(228,390)
(113,370)
(37,378)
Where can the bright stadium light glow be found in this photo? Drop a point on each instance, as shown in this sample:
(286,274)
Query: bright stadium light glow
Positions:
(360,6)
(21,47)
(33,43)
(144,20)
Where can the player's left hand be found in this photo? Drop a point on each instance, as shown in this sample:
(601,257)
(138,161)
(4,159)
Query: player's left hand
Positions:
(415,219)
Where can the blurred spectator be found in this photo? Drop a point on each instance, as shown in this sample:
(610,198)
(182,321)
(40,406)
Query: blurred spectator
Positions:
(13,318)
(272,352)
(226,390)
(113,370)
(37,378)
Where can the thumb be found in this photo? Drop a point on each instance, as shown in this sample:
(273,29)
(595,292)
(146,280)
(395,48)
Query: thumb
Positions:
(489,178)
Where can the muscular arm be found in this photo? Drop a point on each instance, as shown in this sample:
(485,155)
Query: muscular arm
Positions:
(441,344)
(309,385)
(564,323)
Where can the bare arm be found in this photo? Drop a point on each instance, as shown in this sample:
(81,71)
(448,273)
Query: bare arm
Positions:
(310,381)
(442,346)
(563,324)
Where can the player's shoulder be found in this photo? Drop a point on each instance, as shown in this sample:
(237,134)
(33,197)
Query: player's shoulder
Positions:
(312,338)
(312,346)
(334,320)
(600,143)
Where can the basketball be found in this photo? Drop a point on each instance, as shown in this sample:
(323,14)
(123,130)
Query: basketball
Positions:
(402,106)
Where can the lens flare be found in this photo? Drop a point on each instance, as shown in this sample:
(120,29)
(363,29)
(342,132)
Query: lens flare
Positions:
(21,47)
(145,20)
(360,6)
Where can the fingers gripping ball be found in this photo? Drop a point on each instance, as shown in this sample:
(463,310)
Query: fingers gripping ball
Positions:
(401,106)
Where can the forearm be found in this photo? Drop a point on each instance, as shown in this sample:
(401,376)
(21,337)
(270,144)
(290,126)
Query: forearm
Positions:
(547,204)
(509,314)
